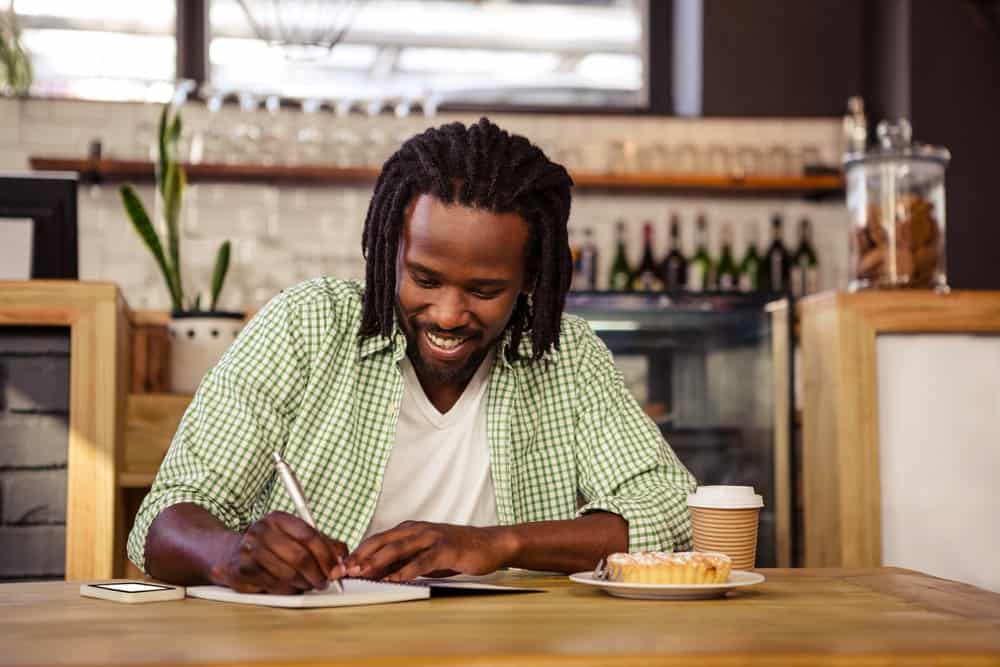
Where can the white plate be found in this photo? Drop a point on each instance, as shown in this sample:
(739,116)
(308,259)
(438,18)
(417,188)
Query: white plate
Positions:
(737,579)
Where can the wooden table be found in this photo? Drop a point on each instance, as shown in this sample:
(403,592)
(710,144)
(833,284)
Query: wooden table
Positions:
(882,616)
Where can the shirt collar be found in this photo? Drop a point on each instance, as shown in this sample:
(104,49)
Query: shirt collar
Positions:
(525,350)
(378,343)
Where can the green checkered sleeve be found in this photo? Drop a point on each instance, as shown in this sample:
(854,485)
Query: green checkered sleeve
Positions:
(220,456)
(625,465)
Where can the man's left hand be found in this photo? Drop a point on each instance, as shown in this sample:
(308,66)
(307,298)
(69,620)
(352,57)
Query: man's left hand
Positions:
(415,548)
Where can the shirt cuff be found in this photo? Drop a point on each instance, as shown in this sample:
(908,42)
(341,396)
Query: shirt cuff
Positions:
(650,528)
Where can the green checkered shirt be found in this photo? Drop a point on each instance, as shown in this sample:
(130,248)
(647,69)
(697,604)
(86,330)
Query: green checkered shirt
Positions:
(299,380)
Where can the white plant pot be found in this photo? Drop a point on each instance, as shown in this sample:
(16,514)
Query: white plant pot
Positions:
(197,342)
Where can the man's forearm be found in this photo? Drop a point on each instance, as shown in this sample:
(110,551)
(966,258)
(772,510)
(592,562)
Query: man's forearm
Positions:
(565,546)
(183,544)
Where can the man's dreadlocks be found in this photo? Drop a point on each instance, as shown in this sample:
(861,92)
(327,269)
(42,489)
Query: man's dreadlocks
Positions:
(484,167)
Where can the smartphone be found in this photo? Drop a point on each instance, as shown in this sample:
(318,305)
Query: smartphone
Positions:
(132,592)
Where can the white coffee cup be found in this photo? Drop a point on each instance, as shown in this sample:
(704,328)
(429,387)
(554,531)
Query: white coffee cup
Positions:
(724,519)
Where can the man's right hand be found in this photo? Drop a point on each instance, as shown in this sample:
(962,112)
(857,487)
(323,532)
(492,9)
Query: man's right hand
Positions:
(279,553)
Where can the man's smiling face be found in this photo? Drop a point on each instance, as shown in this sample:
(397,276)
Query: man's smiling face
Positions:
(458,275)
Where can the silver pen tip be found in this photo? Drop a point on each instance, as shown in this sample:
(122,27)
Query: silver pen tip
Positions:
(277,457)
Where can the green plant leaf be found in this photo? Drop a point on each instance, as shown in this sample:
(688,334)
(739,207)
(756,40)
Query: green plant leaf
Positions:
(172,198)
(7,58)
(196,303)
(174,135)
(162,158)
(140,221)
(25,73)
(219,272)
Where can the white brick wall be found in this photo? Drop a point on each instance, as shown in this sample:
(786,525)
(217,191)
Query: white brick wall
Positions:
(284,234)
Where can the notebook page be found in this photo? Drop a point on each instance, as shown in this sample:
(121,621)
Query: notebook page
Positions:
(356,592)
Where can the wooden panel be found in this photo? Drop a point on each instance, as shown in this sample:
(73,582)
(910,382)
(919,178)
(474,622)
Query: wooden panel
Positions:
(820,424)
(150,351)
(797,617)
(857,446)
(841,480)
(914,311)
(782,47)
(139,318)
(99,357)
(150,359)
(784,494)
(151,421)
(95,428)
(123,368)
(131,498)
(136,480)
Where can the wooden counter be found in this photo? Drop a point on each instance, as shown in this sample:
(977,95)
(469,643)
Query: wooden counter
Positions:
(842,481)
(797,617)
(99,364)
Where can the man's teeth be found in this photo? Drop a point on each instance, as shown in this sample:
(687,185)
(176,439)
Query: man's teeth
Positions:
(445,343)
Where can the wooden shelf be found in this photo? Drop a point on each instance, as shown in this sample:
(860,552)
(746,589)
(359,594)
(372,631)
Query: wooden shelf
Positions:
(116,171)
(136,480)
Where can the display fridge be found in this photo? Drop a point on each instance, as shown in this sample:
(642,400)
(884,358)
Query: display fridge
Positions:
(701,367)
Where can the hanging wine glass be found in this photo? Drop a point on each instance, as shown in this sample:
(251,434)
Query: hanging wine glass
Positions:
(309,139)
(246,132)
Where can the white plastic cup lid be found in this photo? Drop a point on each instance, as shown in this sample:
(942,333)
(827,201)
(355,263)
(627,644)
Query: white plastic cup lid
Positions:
(725,497)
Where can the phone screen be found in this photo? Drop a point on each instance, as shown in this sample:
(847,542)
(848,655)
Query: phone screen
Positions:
(131,587)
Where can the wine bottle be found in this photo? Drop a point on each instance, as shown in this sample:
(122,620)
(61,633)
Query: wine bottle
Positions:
(587,262)
(727,276)
(804,264)
(673,268)
(750,266)
(647,277)
(574,252)
(621,275)
(701,277)
(777,262)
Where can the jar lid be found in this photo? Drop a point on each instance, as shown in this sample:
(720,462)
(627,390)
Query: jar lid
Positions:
(895,145)
(725,498)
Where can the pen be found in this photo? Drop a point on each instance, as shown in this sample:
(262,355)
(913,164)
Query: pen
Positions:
(299,500)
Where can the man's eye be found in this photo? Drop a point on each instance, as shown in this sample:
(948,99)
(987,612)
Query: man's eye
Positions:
(424,282)
(486,294)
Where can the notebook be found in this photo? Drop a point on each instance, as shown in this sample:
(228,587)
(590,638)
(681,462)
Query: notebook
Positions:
(361,591)
(356,592)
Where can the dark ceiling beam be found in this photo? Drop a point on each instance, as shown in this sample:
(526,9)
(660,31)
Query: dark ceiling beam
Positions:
(192,40)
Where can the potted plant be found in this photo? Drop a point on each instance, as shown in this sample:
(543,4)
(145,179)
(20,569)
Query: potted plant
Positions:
(16,72)
(197,337)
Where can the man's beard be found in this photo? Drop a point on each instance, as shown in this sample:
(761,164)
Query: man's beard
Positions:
(412,329)
(441,374)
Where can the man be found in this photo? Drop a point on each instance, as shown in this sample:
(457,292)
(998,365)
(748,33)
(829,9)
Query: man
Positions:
(444,417)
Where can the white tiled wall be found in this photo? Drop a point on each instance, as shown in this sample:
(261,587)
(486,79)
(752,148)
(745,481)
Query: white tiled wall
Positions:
(284,234)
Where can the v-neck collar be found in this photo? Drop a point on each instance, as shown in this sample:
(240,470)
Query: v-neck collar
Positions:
(476,386)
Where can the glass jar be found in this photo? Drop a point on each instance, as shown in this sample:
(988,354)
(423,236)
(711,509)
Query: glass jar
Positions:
(895,199)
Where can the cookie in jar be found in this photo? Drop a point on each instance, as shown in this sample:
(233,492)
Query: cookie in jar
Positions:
(895,197)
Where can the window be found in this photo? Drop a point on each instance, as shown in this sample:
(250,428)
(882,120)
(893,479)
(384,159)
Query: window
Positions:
(582,53)
(100,49)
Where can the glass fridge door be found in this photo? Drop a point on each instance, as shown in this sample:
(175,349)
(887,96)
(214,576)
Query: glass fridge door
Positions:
(701,368)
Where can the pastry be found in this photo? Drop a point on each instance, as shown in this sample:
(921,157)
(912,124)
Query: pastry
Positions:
(664,567)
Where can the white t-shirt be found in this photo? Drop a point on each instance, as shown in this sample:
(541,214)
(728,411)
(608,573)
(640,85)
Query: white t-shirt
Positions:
(439,466)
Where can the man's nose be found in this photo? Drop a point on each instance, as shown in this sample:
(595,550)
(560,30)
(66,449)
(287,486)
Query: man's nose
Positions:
(450,311)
